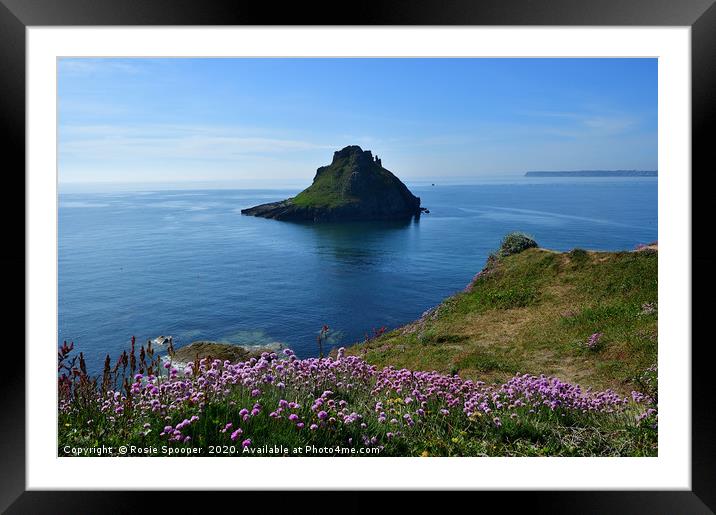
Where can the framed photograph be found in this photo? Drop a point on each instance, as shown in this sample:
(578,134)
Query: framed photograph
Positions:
(413,248)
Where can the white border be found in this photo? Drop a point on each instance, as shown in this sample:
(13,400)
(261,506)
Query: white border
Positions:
(670,470)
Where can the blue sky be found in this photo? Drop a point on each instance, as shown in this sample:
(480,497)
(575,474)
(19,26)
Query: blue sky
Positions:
(272,122)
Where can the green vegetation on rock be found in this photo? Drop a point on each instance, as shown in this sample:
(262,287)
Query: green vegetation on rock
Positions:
(535,312)
(516,242)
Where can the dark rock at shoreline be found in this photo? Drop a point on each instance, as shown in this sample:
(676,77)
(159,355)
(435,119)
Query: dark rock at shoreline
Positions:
(355,186)
(215,350)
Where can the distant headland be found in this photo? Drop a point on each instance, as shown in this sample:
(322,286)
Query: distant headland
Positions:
(595,173)
(355,186)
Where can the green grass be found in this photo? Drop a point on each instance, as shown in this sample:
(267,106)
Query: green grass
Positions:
(326,190)
(532,312)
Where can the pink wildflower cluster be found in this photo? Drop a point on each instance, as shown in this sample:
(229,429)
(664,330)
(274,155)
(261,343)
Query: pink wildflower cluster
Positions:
(593,340)
(336,394)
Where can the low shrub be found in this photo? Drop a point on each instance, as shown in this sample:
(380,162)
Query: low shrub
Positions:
(516,242)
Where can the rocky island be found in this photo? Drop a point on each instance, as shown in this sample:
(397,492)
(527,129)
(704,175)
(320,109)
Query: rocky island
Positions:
(355,186)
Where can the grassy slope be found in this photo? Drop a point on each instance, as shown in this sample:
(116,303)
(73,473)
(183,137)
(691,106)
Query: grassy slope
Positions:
(327,190)
(532,313)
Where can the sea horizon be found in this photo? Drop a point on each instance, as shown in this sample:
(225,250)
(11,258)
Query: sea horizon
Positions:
(211,185)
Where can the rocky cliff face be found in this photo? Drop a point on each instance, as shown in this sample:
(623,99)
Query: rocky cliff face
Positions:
(355,186)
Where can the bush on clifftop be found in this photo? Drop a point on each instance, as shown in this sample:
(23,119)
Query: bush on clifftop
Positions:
(516,242)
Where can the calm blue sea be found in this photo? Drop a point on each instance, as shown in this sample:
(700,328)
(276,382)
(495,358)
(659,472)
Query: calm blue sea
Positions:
(188,264)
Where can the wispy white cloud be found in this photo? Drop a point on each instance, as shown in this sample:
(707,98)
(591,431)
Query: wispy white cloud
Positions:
(583,122)
(87,66)
(89,108)
(610,124)
(171,142)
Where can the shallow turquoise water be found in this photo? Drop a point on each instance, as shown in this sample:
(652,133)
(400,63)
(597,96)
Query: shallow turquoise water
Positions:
(188,264)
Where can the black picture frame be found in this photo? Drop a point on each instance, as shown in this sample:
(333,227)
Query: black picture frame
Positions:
(700,15)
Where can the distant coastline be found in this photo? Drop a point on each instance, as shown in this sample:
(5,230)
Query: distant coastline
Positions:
(595,173)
